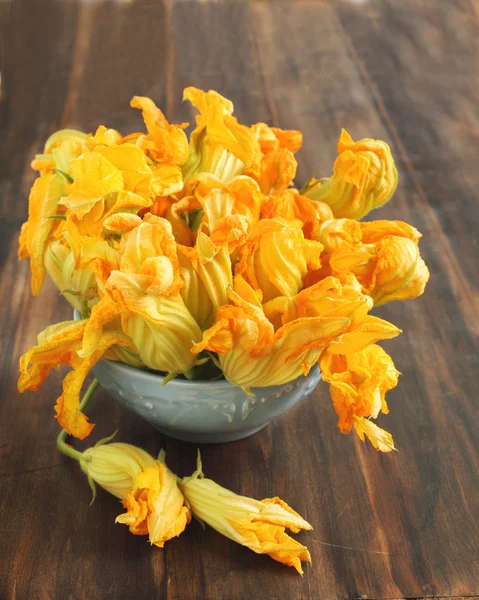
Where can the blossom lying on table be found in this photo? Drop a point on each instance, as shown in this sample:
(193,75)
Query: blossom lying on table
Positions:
(160,506)
(149,491)
(257,524)
(188,256)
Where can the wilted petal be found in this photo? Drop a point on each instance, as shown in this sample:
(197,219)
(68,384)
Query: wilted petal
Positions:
(380,439)
(59,345)
(170,144)
(358,384)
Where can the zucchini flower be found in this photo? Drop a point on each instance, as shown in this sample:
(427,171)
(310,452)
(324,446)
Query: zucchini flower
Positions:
(253,354)
(171,209)
(116,178)
(115,466)
(241,196)
(145,293)
(389,267)
(257,524)
(329,298)
(193,292)
(364,178)
(219,144)
(77,263)
(277,257)
(149,491)
(59,344)
(103,137)
(213,265)
(77,284)
(144,178)
(358,384)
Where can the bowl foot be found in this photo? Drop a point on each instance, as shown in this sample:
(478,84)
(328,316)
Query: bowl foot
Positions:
(210,438)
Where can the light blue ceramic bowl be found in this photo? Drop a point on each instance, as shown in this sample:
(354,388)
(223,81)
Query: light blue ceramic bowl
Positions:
(201,411)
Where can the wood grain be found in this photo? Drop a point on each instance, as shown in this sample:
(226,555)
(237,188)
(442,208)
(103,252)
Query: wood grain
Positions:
(402,526)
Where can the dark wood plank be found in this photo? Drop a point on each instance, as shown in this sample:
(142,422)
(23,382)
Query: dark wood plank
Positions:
(385,526)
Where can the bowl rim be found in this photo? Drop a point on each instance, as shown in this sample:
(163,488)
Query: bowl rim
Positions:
(148,375)
(221,383)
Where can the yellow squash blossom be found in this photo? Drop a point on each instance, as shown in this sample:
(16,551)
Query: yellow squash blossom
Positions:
(257,524)
(115,466)
(77,264)
(149,491)
(241,196)
(213,265)
(194,292)
(145,293)
(253,354)
(277,257)
(334,298)
(112,179)
(57,345)
(219,144)
(77,284)
(364,178)
(358,383)
(373,231)
(389,267)
(42,210)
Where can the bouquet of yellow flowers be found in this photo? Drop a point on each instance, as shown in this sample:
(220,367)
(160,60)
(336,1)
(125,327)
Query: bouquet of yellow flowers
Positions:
(197,258)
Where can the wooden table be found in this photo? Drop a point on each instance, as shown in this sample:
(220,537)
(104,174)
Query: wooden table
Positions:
(386,526)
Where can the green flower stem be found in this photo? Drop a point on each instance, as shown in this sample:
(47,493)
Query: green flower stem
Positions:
(62,436)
